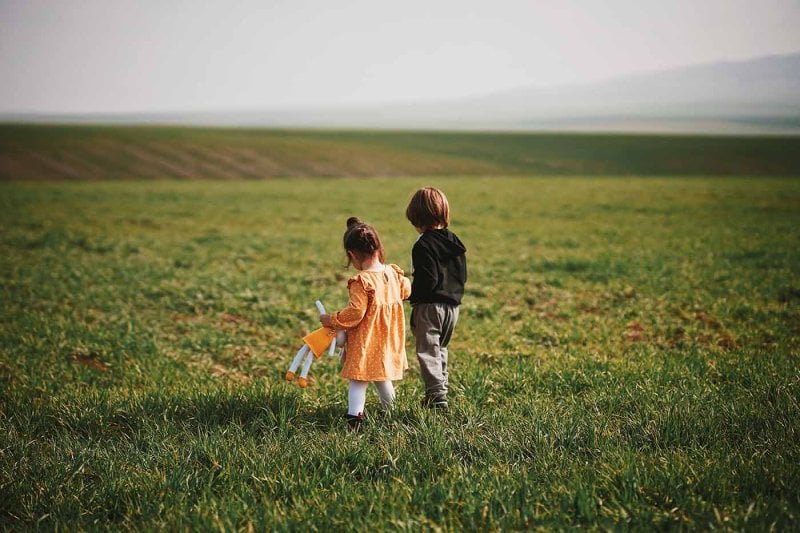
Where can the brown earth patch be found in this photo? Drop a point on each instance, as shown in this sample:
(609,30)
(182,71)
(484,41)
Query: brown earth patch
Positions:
(90,360)
(634,332)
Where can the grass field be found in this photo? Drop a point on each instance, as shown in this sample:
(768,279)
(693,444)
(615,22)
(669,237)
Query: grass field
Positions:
(626,357)
(106,152)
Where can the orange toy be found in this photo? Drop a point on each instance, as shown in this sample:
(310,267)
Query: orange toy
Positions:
(314,345)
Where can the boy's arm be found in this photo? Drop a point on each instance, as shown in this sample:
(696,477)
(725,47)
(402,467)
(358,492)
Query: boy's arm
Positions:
(425,274)
(351,316)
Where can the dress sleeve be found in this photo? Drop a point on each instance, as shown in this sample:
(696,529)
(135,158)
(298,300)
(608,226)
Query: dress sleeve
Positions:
(405,283)
(350,316)
(405,290)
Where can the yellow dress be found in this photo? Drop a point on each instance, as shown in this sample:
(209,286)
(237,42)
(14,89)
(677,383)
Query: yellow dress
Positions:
(376,326)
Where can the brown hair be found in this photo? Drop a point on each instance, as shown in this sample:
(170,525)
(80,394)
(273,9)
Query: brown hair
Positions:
(428,208)
(362,239)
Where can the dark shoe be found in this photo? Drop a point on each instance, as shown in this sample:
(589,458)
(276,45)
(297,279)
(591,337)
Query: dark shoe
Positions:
(439,404)
(354,421)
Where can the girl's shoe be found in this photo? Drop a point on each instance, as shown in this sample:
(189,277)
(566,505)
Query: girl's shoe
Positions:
(354,421)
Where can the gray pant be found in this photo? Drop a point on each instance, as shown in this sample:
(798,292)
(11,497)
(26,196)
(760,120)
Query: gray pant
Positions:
(433,325)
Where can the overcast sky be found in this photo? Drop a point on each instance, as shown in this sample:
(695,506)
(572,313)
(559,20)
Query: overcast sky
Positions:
(170,55)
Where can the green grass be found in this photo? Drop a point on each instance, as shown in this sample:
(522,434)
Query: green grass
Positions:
(626,357)
(30,152)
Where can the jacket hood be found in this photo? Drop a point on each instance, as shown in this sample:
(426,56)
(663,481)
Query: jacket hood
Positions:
(444,243)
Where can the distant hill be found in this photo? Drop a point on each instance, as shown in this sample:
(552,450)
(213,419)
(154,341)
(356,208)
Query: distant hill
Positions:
(762,92)
(758,96)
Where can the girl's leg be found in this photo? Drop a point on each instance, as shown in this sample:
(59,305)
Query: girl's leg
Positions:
(357,397)
(386,392)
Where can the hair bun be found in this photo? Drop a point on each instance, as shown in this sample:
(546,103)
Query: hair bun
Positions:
(353,221)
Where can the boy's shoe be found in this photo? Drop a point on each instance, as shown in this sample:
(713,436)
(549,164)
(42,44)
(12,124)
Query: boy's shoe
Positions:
(354,421)
(439,404)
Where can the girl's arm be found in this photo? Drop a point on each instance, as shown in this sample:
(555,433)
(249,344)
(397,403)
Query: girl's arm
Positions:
(351,316)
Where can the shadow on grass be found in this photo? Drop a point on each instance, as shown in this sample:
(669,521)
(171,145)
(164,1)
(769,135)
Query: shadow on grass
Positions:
(327,417)
(254,409)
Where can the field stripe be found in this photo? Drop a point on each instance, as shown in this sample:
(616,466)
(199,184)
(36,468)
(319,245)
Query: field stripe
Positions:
(107,152)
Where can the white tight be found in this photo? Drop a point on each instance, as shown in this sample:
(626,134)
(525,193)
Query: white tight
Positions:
(357,395)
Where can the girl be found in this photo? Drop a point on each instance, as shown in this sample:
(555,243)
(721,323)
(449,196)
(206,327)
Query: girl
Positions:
(374,319)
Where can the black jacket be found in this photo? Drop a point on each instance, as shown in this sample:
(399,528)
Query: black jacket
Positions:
(440,268)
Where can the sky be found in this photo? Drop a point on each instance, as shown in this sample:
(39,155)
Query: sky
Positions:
(131,56)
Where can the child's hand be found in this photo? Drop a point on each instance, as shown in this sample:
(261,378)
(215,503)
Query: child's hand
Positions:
(325,320)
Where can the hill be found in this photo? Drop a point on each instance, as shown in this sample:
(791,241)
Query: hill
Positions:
(763,92)
(29,152)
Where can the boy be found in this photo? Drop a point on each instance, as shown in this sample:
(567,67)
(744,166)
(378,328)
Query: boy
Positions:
(439,269)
